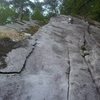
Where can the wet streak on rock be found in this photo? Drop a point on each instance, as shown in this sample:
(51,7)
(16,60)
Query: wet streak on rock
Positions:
(69,70)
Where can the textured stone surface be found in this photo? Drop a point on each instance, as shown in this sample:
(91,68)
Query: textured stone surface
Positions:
(64,64)
(17,57)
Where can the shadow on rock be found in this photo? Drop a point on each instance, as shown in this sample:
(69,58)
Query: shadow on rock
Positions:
(6,45)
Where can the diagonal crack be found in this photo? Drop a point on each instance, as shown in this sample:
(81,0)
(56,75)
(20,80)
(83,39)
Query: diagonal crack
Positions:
(24,65)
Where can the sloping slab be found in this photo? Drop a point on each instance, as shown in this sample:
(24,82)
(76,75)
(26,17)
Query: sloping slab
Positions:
(63,66)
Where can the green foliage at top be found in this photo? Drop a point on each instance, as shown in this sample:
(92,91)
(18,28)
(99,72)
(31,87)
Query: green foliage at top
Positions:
(95,11)
(86,8)
(39,16)
(6,14)
(21,7)
(53,6)
(12,10)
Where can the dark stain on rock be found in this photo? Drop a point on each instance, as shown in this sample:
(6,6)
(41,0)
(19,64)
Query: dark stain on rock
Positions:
(6,45)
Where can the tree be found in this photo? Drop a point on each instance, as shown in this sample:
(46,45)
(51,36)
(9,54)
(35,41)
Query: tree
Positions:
(37,15)
(52,6)
(21,7)
(6,13)
(86,8)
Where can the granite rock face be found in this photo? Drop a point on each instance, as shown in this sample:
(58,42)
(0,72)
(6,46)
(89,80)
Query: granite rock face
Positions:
(60,62)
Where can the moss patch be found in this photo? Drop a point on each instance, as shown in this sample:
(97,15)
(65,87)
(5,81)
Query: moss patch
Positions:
(33,29)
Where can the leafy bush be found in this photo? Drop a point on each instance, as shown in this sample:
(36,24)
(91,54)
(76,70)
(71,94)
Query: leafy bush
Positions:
(6,14)
(86,8)
(38,15)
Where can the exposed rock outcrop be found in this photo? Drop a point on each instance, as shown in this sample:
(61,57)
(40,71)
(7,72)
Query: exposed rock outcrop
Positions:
(60,62)
(19,30)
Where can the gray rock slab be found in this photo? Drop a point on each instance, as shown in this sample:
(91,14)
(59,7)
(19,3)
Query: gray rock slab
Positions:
(58,67)
(15,59)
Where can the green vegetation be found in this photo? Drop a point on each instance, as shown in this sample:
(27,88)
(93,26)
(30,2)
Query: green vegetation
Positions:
(86,8)
(12,10)
(6,14)
(38,15)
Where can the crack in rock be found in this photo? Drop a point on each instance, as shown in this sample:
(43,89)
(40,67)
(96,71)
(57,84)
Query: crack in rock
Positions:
(88,29)
(24,65)
(69,70)
(85,53)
